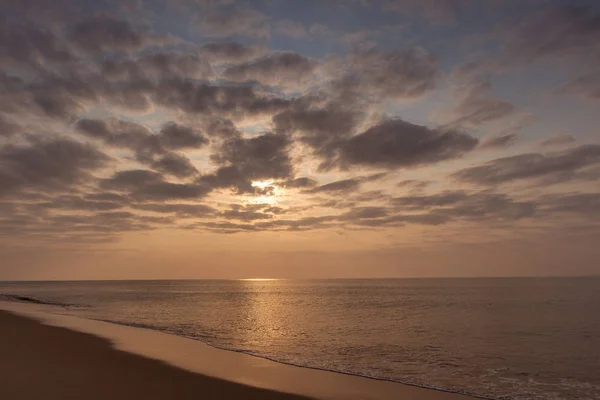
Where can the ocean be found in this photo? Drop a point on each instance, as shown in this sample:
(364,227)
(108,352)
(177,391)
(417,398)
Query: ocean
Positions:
(513,338)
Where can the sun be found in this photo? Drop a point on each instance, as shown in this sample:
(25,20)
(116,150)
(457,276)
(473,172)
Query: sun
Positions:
(273,192)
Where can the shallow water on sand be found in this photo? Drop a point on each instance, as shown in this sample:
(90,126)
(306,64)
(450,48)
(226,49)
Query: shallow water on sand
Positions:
(498,338)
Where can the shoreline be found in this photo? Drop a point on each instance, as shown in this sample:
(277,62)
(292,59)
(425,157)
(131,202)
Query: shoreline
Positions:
(235,368)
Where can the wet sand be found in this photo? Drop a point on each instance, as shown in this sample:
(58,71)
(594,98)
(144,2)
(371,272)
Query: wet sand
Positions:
(46,362)
(49,356)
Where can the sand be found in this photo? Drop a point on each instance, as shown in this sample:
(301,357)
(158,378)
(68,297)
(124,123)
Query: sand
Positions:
(48,356)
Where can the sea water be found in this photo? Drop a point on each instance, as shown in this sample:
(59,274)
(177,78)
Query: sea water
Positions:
(517,338)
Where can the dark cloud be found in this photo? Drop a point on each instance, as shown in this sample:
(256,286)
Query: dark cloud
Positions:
(183,210)
(427,201)
(445,207)
(123,134)
(365,213)
(79,203)
(175,164)
(563,33)
(8,128)
(558,31)
(48,164)
(557,166)
(484,206)
(145,185)
(193,97)
(277,69)
(105,33)
(131,179)
(413,184)
(300,183)
(317,125)
(587,204)
(346,185)
(260,157)
(254,159)
(499,142)
(171,191)
(228,177)
(399,144)
(30,46)
(158,65)
(322,128)
(106,196)
(174,136)
(476,105)
(400,74)
(231,52)
(150,149)
(245,215)
(233,21)
(52,96)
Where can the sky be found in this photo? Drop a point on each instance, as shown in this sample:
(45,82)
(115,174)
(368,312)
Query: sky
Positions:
(299,139)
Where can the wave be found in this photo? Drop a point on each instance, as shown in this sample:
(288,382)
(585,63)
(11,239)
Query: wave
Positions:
(33,300)
(299,365)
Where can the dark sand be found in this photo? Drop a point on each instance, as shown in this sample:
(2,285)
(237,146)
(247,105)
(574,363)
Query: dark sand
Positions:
(45,362)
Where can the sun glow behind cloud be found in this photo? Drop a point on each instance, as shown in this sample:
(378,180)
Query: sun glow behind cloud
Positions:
(271,195)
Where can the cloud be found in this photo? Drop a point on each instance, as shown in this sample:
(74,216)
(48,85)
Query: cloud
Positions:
(365,213)
(175,164)
(587,204)
(53,97)
(290,28)
(413,184)
(586,86)
(57,164)
(277,69)
(476,106)
(70,202)
(400,74)
(145,185)
(445,207)
(30,46)
(427,201)
(321,128)
(131,179)
(176,137)
(233,21)
(561,33)
(558,140)
(563,30)
(158,65)
(399,144)
(554,167)
(8,128)
(245,215)
(499,142)
(181,209)
(231,52)
(103,33)
(437,10)
(243,161)
(300,183)
(346,185)
(150,149)
(222,100)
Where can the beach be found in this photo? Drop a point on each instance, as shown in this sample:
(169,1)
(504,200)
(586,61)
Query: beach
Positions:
(51,356)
